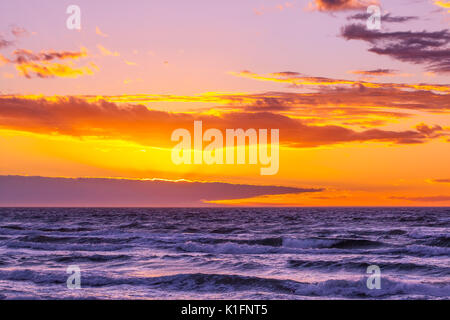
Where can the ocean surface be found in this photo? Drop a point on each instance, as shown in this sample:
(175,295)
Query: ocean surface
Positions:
(272,253)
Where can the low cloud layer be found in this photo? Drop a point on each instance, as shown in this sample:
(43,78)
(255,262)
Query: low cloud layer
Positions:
(42,191)
(79,118)
(424,199)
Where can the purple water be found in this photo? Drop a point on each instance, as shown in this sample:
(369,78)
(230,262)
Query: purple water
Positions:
(298,253)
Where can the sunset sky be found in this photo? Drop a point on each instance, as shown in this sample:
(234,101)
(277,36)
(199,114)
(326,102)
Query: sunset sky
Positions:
(363,114)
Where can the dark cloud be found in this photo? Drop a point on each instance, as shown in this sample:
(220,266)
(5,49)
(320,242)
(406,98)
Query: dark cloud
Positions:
(424,199)
(285,73)
(384,18)
(42,191)
(422,47)
(441,180)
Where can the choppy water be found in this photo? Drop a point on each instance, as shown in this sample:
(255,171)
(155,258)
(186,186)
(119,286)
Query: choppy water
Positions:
(306,253)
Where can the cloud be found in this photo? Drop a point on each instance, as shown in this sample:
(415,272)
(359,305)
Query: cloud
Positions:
(296,79)
(375,72)
(100,33)
(430,131)
(279,7)
(421,47)
(340,5)
(384,18)
(43,191)
(77,117)
(41,64)
(5,43)
(8,75)
(440,180)
(25,56)
(346,104)
(442,4)
(424,199)
(19,31)
(3,60)
(353,103)
(327,99)
(51,70)
(106,52)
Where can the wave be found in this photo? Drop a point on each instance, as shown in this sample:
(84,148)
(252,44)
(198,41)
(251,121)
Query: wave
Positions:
(331,266)
(443,241)
(91,258)
(273,245)
(68,230)
(13,227)
(74,239)
(332,243)
(206,283)
(13,244)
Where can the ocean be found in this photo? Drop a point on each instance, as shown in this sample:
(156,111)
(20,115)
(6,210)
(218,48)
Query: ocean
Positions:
(224,253)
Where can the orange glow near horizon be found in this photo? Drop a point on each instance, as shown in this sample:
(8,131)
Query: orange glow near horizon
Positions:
(368,125)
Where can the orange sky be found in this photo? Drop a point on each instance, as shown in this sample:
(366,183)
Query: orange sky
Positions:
(375,132)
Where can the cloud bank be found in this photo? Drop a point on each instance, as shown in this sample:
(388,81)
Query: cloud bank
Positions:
(77,117)
(102,192)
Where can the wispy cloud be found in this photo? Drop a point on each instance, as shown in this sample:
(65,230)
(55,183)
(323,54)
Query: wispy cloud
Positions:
(107,52)
(375,72)
(273,8)
(24,56)
(297,79)
(421,47)
(5,43)
(42,64)
(100,33)
(423,199)
(440,181)
(385,18)
(19,31)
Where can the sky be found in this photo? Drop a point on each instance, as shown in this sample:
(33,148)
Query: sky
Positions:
(363,114)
